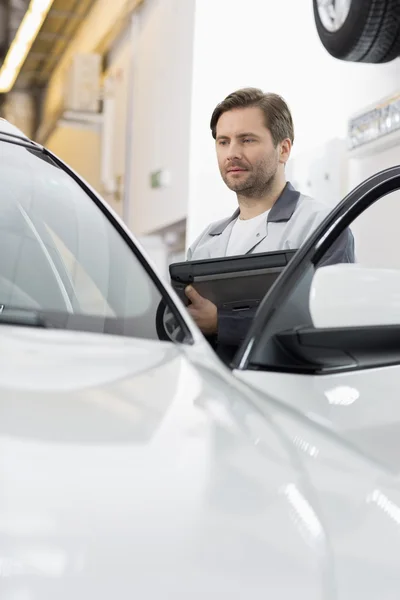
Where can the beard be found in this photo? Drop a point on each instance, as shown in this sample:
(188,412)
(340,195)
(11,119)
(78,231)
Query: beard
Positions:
(256,182)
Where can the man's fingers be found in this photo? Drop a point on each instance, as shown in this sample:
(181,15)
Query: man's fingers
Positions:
(193,296)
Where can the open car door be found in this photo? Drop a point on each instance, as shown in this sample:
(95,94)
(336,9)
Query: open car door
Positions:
(326,339)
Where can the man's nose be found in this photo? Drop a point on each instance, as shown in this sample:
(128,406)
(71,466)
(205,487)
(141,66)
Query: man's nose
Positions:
(234,151)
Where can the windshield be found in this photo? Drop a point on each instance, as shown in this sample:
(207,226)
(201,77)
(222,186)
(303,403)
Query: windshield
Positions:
(61,256)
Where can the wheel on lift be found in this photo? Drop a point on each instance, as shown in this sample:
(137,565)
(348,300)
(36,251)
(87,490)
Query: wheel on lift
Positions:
(359,30)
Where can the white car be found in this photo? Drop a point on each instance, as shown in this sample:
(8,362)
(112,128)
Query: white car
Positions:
(134,468)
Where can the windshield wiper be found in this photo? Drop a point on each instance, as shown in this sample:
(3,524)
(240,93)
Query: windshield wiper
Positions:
(22,316)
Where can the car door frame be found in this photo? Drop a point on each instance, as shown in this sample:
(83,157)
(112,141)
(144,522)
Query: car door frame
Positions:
(355,203)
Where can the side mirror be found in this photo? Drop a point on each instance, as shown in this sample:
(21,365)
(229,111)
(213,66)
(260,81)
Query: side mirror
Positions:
(350,295)
(355,314)
(167,325)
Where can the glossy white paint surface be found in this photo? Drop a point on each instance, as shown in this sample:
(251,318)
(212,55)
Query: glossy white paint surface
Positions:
(350,295)
(362,407)
(356,419)
(129,472)
(134,469)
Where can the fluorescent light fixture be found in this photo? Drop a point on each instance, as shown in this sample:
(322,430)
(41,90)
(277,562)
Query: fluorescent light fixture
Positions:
(22,43)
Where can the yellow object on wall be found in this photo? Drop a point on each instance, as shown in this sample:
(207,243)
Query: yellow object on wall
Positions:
(74,146)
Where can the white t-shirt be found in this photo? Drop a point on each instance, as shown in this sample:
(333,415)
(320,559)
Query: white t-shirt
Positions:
(242,231)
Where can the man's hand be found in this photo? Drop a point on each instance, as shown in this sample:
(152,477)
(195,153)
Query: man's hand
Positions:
(203,312)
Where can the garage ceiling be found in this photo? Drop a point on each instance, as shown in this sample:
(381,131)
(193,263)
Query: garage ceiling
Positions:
(57,31)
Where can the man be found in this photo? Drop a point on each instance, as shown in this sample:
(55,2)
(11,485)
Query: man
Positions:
(254,135)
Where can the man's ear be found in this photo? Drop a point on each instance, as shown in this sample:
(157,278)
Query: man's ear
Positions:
(285,149)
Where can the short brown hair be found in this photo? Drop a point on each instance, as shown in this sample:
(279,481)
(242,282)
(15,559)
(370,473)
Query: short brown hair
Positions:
(278,118)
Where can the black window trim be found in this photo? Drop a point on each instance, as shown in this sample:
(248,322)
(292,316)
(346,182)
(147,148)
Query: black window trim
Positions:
(359,199)
(18,140)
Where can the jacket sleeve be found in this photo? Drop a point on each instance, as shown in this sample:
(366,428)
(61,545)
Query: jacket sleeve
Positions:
(192,250)
(341,251)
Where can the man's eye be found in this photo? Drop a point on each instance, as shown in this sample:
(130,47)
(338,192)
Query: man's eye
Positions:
(247,140)
(222,143)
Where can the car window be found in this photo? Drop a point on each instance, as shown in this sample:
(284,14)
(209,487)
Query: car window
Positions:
(62,255)
(377,246)
(89,297)
(376,234)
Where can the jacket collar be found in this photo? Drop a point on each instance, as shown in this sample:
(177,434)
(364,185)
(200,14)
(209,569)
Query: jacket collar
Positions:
(281,211)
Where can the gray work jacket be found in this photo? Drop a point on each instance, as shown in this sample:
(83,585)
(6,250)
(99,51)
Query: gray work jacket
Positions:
(290,221)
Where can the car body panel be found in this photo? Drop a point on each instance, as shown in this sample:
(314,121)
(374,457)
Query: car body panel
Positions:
(359,508)
(361,406)
(143,469)
(140,469)
(129,470)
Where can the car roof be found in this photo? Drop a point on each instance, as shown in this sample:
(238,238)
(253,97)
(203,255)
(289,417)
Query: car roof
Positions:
(9,129)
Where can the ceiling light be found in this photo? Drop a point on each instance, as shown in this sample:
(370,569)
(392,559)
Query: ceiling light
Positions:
(22,43)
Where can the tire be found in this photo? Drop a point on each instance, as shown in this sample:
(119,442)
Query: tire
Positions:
(370,33)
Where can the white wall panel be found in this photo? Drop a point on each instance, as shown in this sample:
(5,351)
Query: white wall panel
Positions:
(272,45)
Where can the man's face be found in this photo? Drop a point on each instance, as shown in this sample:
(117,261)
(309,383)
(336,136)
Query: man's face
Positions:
(247,158)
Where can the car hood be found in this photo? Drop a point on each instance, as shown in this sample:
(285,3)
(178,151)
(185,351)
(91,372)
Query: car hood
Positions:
(137,469)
